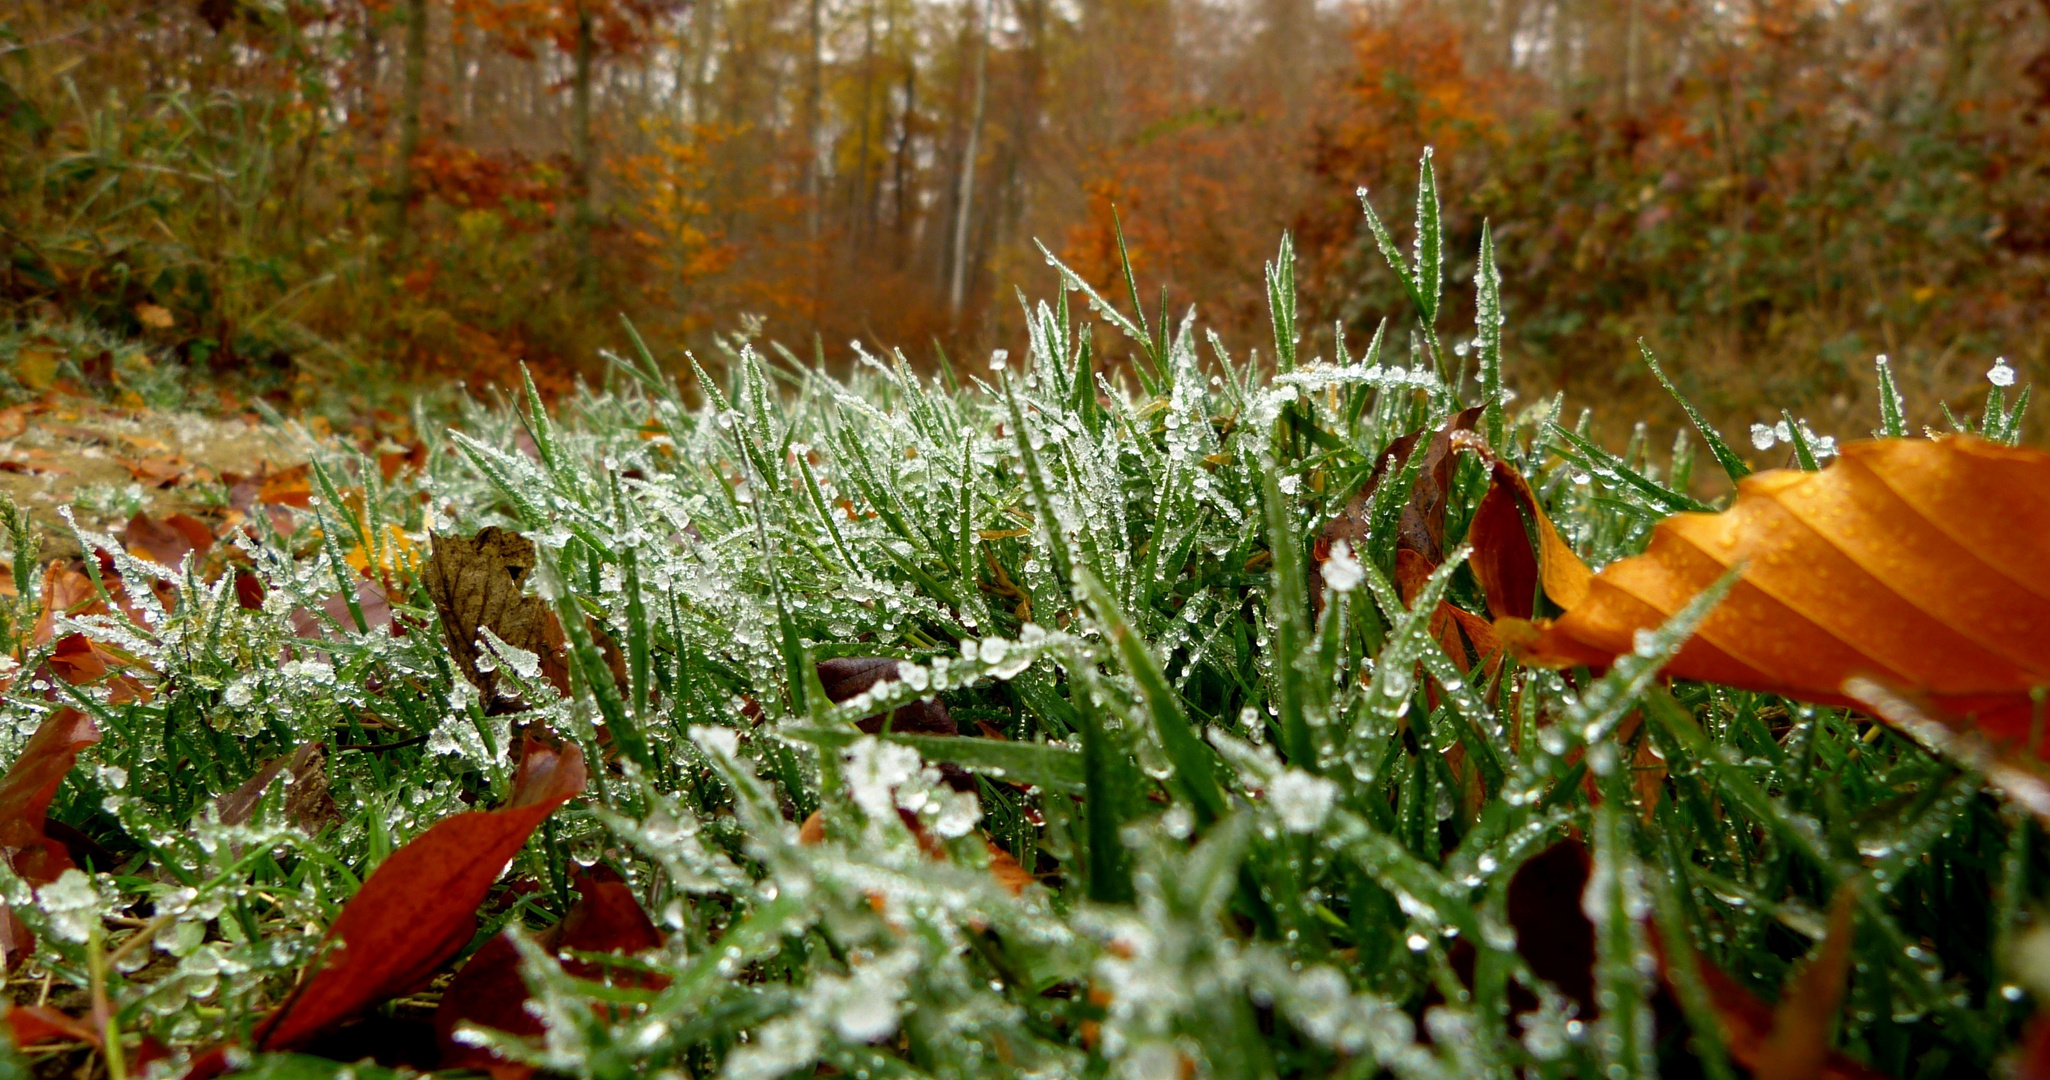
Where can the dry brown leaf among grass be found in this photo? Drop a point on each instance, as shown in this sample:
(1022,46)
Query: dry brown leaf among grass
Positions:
(1920,566)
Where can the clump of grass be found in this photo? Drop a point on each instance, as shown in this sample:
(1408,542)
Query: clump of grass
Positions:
(1270,837)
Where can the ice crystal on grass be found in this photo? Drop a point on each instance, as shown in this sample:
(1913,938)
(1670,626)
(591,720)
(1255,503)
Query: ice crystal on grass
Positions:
(1252,831)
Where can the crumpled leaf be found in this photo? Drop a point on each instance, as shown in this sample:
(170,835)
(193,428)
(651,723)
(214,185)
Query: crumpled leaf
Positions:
(1921,566)
(287,487)
(478,583)
(419,906)
(489,992)
(25,794)
(1789,1041)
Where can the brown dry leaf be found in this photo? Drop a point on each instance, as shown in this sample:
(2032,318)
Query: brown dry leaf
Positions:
(478,582)
(1503,560)
(30,461)
(154,315)
(1422,526)
(1922,567)
(1799,1045)
(844,677)
(166,541)
(158,471)
(308,805)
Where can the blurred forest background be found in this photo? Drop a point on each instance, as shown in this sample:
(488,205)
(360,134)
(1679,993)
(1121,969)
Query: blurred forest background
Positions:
(322,194)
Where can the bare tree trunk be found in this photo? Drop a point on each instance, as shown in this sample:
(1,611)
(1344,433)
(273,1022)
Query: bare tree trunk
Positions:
(858,197)
(964,199)
(399,240)
(814,93)
(902,220)
(583,153)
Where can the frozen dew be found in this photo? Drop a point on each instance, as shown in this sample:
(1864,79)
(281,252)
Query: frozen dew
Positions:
(1763,436)
(1341,571)
(1417,942)
(72,905)
(1301,800)
(2000,374)
(874,770)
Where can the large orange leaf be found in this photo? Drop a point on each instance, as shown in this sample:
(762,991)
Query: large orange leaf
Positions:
(1918,566)
(420,905)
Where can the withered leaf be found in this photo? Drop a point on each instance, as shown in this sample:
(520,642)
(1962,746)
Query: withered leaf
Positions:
(845,677)
(1509,566)
(1919,566)
(25,794)
(308,803)
(1422,526)
(489,991)
(418,908)
(477,583)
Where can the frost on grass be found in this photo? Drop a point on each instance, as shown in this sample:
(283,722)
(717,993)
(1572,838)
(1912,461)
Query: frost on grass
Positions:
(1073,553)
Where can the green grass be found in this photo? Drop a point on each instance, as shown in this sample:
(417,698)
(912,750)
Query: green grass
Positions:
(1255,856)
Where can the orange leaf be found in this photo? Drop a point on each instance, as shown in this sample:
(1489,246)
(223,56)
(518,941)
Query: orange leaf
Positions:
(419,906)
(1919,566)
(292,487)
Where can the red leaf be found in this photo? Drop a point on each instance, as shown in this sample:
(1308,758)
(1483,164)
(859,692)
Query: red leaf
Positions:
(29,786)
(25,795)
(420,905)
(31,1025)
(489,991)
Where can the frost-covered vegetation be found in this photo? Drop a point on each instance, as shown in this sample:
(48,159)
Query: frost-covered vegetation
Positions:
(1271,830)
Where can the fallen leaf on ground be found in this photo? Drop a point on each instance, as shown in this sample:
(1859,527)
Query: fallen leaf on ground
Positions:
(395,553)
(844,677)
(25,794)
(1421,527)
(166,541)
(1789,1042)
(289,487)
(419,906)
(307,803)
(1921,566)
(478,583)
(159,471)
(37,1025)
(489,992)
